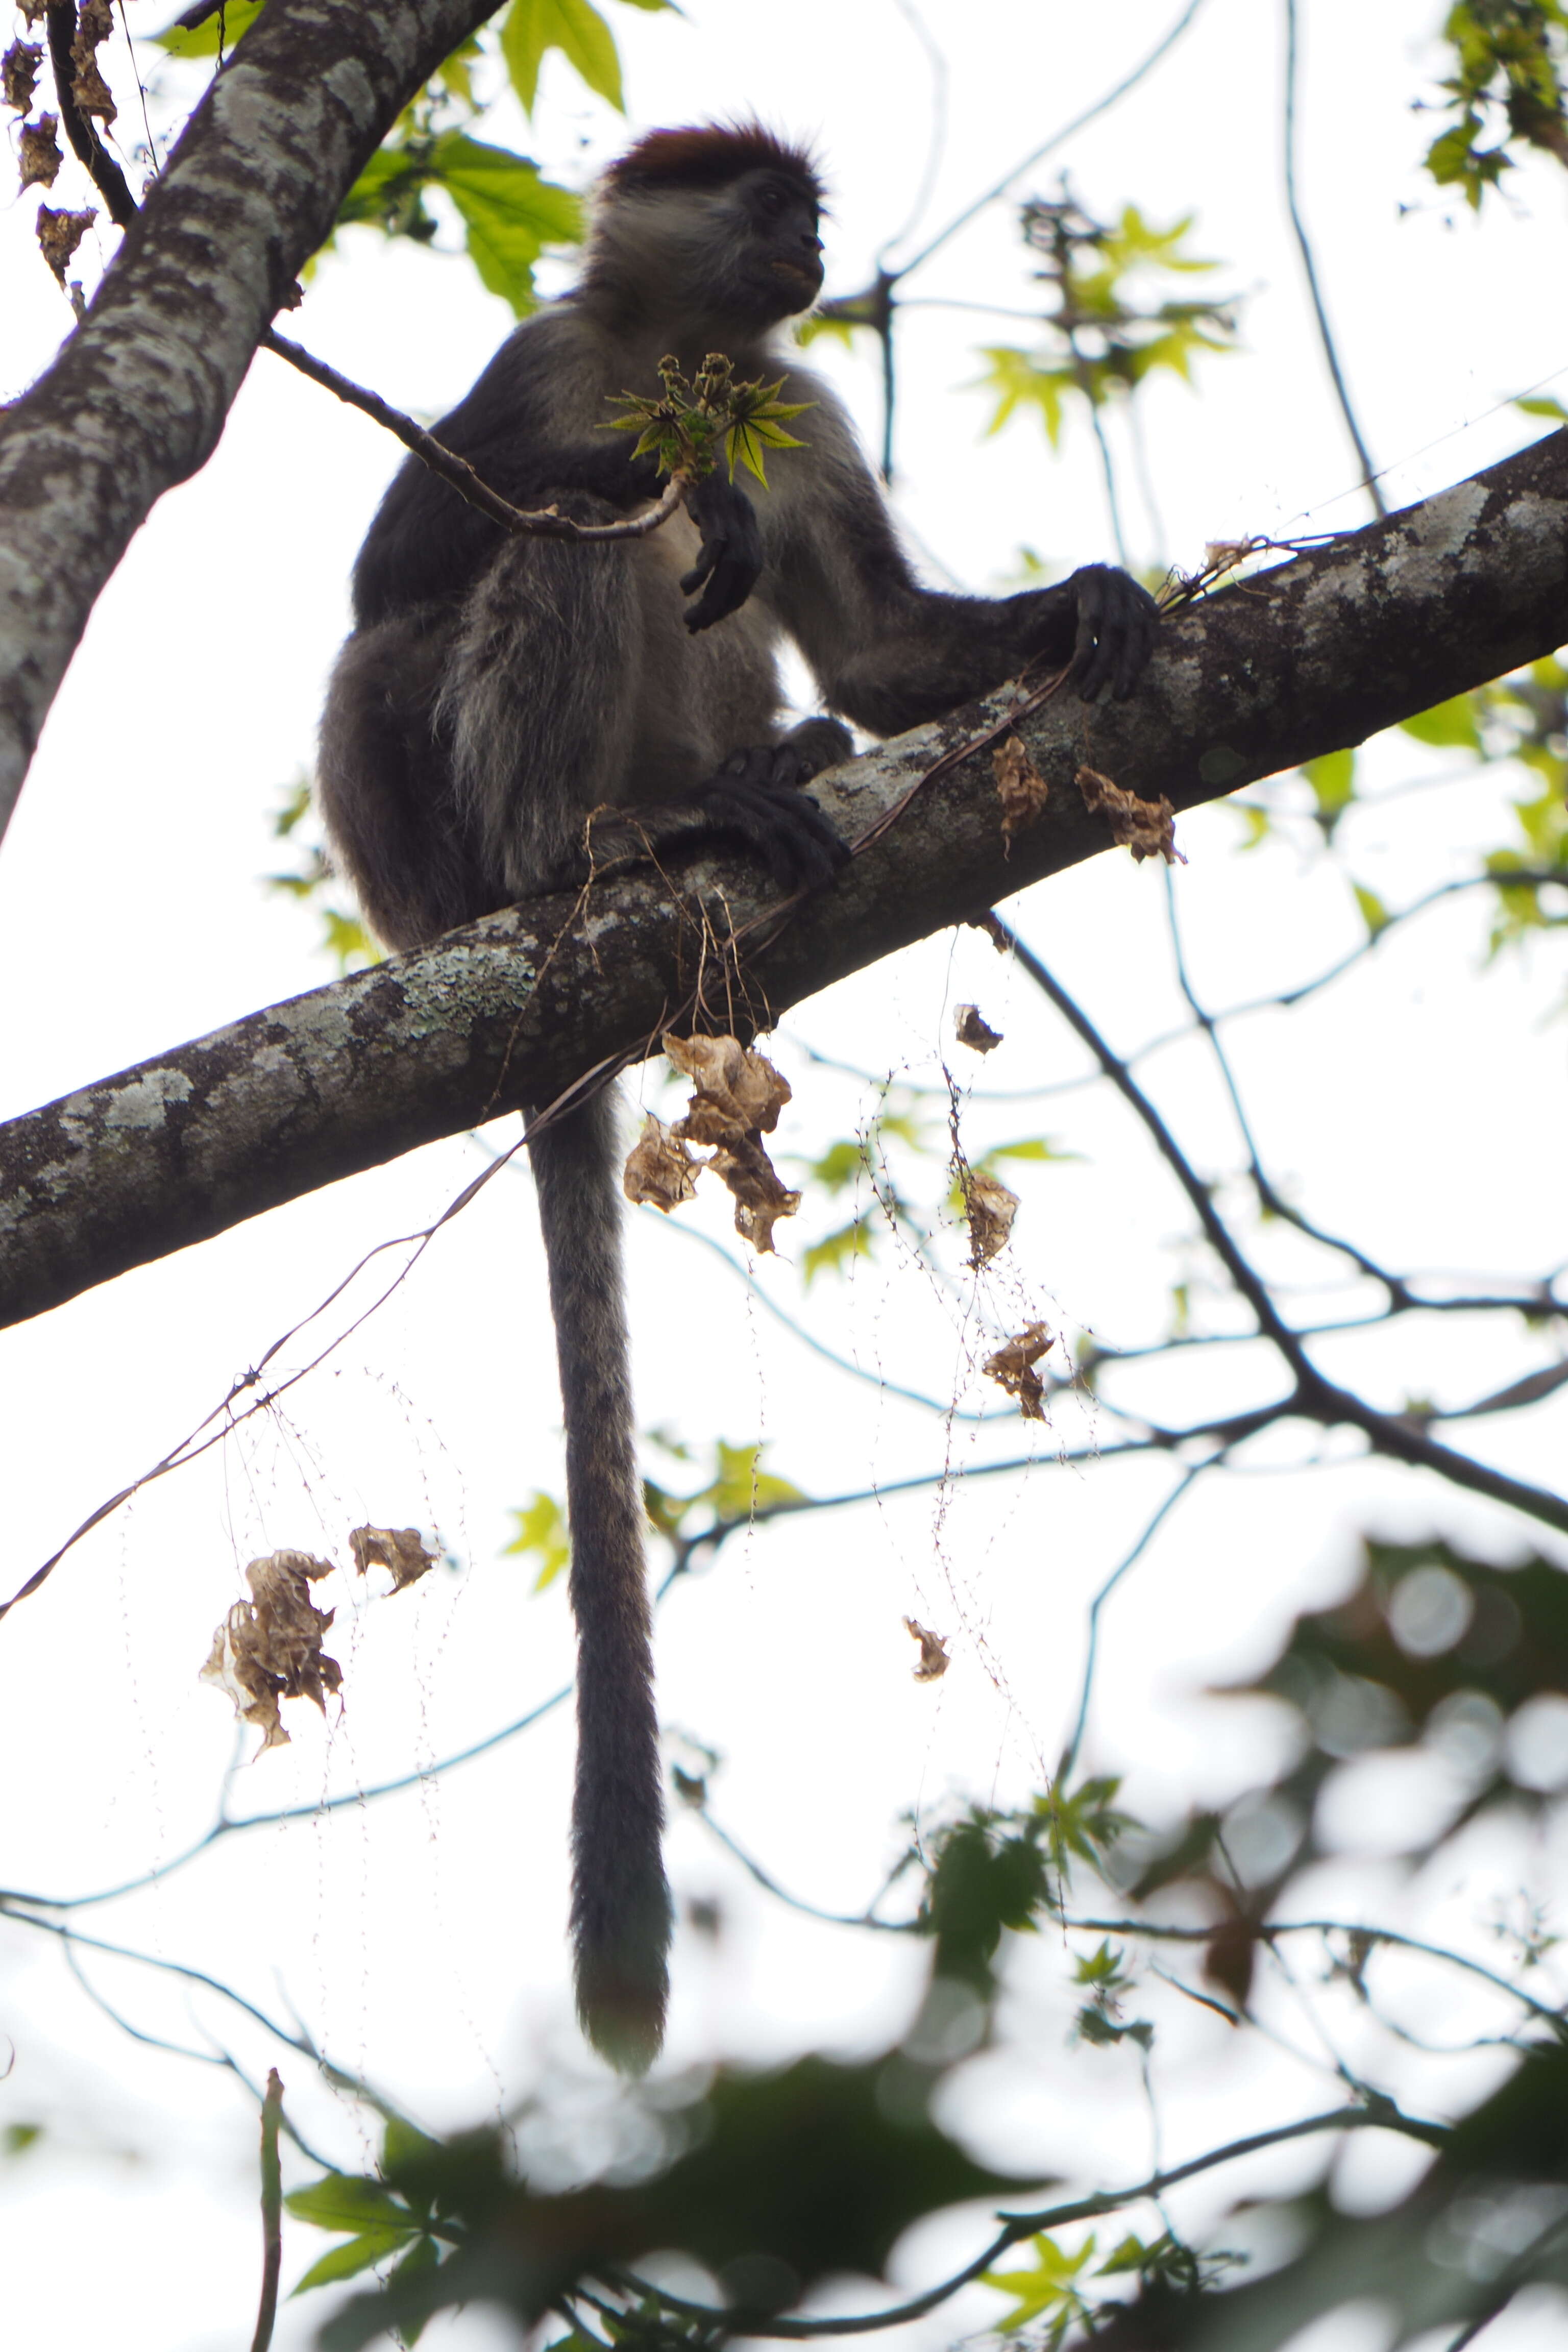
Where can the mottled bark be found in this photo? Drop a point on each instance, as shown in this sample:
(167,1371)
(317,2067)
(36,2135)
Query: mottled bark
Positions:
(137,399)
(1304,659)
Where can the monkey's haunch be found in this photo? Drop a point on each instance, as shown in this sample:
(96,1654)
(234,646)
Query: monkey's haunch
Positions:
(620,1902)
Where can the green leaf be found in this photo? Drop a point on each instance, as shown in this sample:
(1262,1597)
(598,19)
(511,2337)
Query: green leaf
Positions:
(348,2200)
(1332,779)
(1044,2284)
(578,31)
(236,18)
(1373,913)
(1449,724)
(1542,404)
(541,1532)
(347,2261)
(1019,382)
(423,2254)
(509,213)
(835,1251)
(17,2138)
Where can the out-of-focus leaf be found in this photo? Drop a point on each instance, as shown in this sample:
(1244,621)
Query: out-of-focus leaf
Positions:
(577,30)
(223,30)
(511,214)
(1373,913)
(348,2200)
(1449,724)
(1332,779)
(816,2168)
(1542,404)
(542,1536)
(354,2255)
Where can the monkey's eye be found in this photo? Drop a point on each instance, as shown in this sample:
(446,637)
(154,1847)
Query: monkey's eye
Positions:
(771,201)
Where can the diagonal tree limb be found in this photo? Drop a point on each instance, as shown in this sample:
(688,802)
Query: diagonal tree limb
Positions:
(1346,640)
(137,399)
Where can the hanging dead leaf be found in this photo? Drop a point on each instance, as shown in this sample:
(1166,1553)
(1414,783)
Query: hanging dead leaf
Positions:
(269,1648)
(972,1030)
(59,234)
(989,1208)
(1148,828)
(40,158)
(761,1200)
(19,74)
(401,1551)
(32,10)
(1020,787)
(739,1092)
(934,1659)
(1013,1368)
(659,1170)
(89,89)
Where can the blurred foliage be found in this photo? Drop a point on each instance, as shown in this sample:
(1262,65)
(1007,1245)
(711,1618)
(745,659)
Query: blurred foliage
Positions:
(1508,86)
(1101,342)
(736,1488)
(343,937)
(774,2181)
(540,1536)
(507,213)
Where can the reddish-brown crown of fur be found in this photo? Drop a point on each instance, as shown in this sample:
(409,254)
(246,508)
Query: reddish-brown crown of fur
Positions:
(708,155)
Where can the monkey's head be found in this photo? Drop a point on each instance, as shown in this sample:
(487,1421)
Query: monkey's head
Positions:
(718,220)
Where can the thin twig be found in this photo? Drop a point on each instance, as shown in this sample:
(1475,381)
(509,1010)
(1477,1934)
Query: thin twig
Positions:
(544,523)
(271,2213)
(1325,333)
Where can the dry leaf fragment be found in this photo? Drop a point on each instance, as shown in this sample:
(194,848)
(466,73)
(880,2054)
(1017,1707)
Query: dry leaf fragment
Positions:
(89,89)
(1020,787)
(19,74)
(32,10)
(991,1209)
(59,234)
(760,1199)
(739,1092)
(1148,828)
(1013,1368)
(974,1031)
(934,1659)
(659,1170)
(270,1647)
(738,1098)
(401,1551)
(40,151)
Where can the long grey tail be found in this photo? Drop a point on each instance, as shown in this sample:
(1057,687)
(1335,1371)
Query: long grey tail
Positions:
(620,1900)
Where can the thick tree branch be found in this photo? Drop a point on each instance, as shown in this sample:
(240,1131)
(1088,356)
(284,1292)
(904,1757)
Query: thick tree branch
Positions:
(1316,655)
(138,397)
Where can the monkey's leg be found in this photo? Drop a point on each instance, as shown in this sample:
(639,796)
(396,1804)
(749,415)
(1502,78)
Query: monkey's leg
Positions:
(620,1901)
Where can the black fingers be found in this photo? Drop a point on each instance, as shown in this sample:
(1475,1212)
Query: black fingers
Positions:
(1115,635)
(729,559)
(751,801)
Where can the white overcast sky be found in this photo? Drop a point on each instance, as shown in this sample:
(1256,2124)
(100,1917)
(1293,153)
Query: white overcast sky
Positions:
(1421,1107)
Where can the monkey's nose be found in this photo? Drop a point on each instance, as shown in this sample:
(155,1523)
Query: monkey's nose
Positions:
(812,244)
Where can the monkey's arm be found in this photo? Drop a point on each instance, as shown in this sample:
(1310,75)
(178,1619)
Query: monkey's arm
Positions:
(889,652)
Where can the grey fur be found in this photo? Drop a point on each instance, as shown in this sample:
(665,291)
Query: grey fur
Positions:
(498,691)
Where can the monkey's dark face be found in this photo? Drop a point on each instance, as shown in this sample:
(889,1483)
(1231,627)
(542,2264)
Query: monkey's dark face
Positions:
(781,252)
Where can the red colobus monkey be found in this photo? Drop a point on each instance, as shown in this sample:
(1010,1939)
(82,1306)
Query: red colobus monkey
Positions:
(496,690)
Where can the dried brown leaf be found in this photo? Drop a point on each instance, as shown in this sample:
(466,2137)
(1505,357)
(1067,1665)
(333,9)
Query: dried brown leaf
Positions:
(40,151)
(401,1551)
(91,92)
(1020,787)
(1148,828)
(738,1091)
(934,1659)
(659,1170)
(269,1648)
(32,10)
(1013,1368)
(991,1209)
(59,234)
(972,1030)
(19,74)
(760,1199)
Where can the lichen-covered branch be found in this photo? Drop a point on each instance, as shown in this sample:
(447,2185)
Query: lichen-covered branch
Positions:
(1315,656)
(137,399)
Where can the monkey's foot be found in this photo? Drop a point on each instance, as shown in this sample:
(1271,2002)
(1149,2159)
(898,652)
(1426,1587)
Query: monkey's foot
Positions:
(755,797)
(1115,633)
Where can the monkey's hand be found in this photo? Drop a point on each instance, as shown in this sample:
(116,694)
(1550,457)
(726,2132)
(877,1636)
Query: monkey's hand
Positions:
(755,797)
(729,559)
(1114,629)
